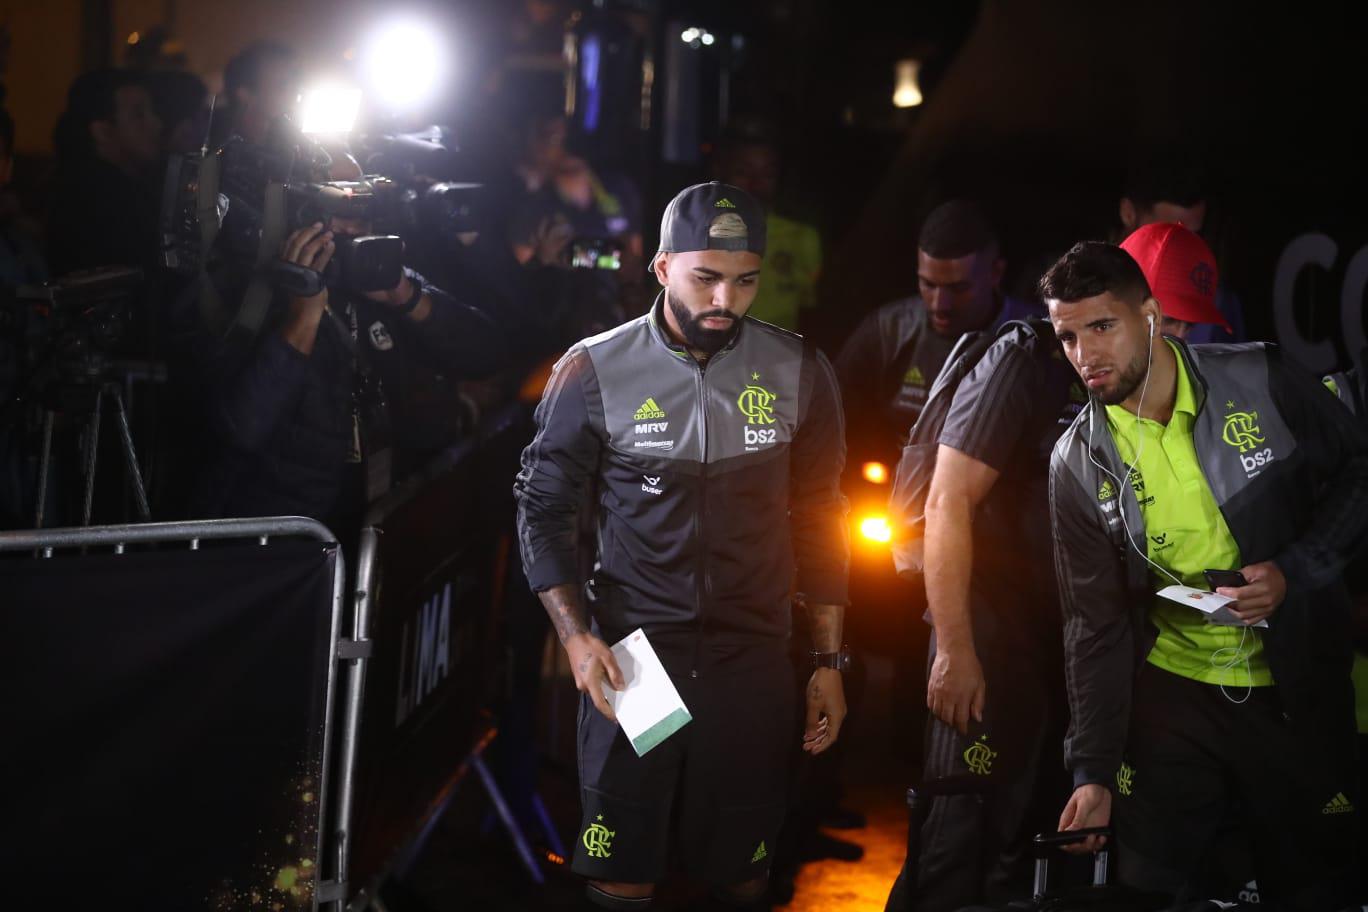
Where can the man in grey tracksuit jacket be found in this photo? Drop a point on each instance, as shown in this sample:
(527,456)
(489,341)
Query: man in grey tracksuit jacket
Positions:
(711,448)
(1175,758)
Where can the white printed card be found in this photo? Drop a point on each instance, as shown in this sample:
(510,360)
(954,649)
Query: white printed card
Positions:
(648,708)
(1215,607)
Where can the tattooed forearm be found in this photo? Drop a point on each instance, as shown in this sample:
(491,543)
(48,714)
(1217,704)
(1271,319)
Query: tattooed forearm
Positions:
(826,623)
(563,606)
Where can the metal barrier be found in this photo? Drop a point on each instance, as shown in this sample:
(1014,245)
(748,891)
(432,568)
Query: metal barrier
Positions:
(429,592)
(336,799)
(445,553)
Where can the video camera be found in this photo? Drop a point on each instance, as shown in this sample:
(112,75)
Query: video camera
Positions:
(426,165)
(233,208)
(69,330)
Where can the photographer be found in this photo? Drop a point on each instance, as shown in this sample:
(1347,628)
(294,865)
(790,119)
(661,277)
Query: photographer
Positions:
(306,416)
(104,207)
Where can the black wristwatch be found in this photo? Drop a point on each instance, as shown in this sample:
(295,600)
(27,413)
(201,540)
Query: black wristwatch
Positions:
(837,660)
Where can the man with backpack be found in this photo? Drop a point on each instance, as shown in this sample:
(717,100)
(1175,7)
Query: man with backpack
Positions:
(887,366)
(994,686)
(1221,467)
(975,473)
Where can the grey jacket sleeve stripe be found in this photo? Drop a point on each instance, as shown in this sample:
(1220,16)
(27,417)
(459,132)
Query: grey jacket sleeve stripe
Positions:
(1099,649)
(817,508)
(557,467)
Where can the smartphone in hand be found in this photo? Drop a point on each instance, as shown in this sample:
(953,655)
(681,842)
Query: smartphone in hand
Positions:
(1228,579)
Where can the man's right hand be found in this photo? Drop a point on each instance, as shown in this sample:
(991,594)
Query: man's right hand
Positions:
(956,690)
(1090,806)
(311,247)
(591,661)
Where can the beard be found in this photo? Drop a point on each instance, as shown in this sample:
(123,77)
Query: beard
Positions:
(1127,381)
(697,336)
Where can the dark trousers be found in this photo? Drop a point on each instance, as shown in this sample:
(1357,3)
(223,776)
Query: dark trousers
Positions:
(975,848)
(1201,770)
(712,794)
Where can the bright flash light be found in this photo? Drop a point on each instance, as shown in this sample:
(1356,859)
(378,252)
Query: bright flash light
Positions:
(875,473)
(693,36)
(906,90)
(329,109)
(876,528)
(403,64)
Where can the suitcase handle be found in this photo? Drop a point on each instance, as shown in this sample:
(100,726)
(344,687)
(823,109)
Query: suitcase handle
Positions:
(1044,842)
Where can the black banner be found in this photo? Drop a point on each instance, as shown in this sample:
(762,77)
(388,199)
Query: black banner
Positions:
(163,726)
(441,559)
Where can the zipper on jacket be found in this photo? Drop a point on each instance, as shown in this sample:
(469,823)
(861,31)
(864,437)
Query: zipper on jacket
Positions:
(700,570)
(704,585)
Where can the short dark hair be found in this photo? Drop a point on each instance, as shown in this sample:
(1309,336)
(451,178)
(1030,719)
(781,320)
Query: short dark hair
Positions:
(956,229)
(90,98)
(1170,176)
(244,70)
(1091,268)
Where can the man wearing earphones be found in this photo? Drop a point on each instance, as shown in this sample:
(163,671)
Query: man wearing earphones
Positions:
(1190,459)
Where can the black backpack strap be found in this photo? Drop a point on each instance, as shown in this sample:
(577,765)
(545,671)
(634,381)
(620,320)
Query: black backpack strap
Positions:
(910,340)
(1356,379)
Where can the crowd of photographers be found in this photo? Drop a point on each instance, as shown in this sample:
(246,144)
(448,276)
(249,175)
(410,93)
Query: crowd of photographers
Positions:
(291,324)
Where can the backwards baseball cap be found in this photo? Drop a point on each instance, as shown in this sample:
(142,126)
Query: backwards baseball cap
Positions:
(713,216)
(1180,269)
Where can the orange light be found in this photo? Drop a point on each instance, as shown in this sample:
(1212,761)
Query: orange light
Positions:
(877,529)
(134,38)
(876,473)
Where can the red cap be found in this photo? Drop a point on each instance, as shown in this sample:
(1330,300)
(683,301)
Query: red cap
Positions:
(1180,270)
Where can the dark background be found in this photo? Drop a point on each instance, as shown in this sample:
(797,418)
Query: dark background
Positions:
(1035,107)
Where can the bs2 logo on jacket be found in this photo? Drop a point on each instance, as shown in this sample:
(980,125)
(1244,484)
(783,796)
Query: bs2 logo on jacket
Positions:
(1242,432)
(757,404)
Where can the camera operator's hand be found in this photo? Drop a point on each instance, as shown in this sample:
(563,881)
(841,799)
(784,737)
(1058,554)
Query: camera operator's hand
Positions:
(400,295)
(311,247)
(546,244)
(552,237)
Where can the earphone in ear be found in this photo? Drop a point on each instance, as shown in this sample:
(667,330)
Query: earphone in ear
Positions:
(1150,317)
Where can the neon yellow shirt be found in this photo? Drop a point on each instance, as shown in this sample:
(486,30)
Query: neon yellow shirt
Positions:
(1185,534)
(788,278)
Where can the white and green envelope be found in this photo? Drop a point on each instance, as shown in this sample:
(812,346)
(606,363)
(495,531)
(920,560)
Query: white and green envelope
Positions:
(648,708)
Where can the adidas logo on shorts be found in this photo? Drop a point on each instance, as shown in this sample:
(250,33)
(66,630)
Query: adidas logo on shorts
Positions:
(1338,805)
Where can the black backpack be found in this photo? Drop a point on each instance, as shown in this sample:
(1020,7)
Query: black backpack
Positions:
(907,502)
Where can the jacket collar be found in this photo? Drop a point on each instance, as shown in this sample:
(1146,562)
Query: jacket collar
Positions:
(661,333)
(1099,434)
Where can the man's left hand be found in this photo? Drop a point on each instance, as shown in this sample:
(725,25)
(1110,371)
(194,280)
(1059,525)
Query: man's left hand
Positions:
(1265,593)
(395,296)
(826,710)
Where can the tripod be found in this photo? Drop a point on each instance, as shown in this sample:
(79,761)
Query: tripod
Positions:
(110,390)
